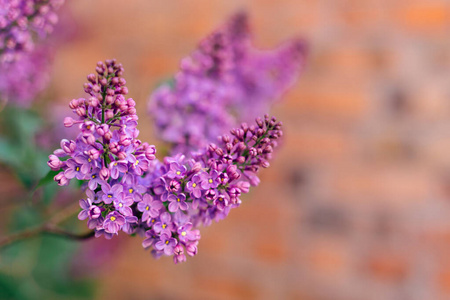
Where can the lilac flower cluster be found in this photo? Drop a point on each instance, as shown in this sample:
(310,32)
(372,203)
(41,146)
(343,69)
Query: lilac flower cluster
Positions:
(20,20)
(23,79)
(184,193)
(106,154)
(129,190)
(222,83)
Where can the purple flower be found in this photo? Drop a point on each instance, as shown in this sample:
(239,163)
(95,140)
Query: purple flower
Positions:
(134,192)
(180,218)
(166,244)
(174,186)
(73,170)
(86,163)
(95,180)
(113,193)
(185,233)
(96,223)
(151,238)
(149,207)
(113,222)
(128,126)
(122,204)
(177,202)
(117,167)
(221,201)
(129,178)
(140,165)
(209,180)
(194,186)
(223,178)
(88,210)
(159,187)
(176,171)
(129,222)
(93,196)
(164,225)
(101,231)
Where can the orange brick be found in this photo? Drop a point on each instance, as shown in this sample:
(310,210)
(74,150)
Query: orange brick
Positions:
(423,16)
(388,267)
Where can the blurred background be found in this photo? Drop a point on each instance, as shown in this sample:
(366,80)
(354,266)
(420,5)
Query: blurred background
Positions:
(355,205)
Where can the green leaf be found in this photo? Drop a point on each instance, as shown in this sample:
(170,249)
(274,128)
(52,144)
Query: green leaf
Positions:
(46,179)
(9,153)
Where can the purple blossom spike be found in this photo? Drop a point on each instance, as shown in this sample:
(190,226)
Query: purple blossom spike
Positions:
(225,81)
(129,190)
(20,20)
(21,80)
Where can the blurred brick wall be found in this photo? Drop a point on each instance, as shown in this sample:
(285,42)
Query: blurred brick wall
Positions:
(357,203)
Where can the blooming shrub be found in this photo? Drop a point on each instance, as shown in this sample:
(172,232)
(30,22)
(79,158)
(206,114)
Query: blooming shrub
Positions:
(129,190)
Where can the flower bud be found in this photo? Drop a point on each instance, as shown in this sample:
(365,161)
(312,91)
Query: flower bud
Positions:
(81,111)
(61,179)
(68,122)
(131,102)
(121,155)
(260,122)
(94,212)
(92,78)
(108,135)
(54,163)
(93,102)
(94,154)
(109,99)
(90,139)
(240,160)
(219,152)
(131,111)
(68,146)
(104,173)
(244,186)
(96,88)
(150,152)
(103,82)
(73,104)
(191,249)
(109,114)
